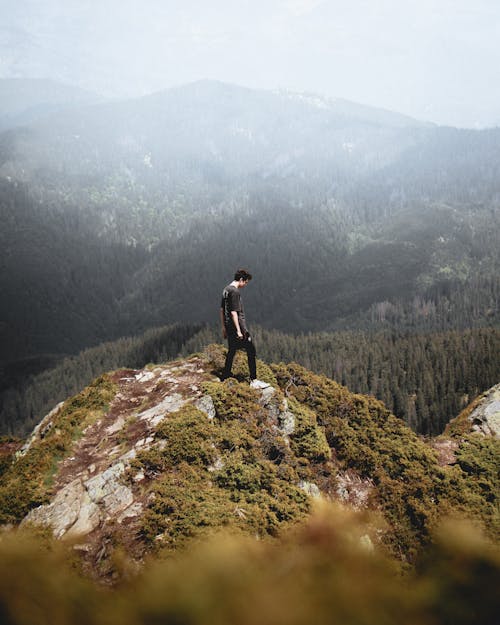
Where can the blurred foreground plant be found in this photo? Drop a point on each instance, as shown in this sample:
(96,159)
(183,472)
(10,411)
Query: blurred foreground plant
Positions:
(329,570)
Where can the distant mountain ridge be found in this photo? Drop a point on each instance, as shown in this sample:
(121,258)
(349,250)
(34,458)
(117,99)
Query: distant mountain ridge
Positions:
(240,131)
(338,209)
(24,101)
(353,109)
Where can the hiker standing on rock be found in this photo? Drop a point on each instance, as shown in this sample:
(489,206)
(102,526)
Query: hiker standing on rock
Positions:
(234,327)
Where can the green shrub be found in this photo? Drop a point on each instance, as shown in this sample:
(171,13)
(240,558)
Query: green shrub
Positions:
(308,439)
(188,436)
(412,490)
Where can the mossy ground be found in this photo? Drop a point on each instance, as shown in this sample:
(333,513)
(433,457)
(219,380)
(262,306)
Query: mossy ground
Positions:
(235,471)
(412,490)
(26,483)
(239,471)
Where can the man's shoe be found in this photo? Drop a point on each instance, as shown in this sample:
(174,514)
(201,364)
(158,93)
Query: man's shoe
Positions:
(259,384)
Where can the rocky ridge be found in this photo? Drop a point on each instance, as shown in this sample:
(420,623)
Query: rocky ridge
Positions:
(485,418)
(152,459)
(88,491)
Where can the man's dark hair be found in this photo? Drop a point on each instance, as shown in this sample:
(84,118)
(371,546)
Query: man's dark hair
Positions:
(242,274)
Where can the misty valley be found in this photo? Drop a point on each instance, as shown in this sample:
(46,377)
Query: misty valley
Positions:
(373,239)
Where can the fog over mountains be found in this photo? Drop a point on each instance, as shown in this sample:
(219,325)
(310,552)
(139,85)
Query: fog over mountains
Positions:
(433,60)
(23,101)
(122,215)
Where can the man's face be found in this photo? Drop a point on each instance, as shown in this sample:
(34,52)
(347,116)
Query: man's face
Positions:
(242,283)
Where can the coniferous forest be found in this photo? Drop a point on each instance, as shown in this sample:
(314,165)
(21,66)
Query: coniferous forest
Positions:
(426,379)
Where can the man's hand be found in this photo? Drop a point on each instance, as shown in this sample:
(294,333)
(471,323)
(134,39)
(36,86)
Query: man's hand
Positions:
(240,335)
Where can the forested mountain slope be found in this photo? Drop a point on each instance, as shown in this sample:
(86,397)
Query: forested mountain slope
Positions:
(122,216)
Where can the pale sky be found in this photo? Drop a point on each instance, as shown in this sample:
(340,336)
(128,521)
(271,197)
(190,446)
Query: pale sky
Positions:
(437,60)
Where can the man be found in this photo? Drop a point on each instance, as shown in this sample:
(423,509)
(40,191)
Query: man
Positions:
(234,327)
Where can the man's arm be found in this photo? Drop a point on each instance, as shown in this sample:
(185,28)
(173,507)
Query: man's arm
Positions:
(234,315)
(224,331)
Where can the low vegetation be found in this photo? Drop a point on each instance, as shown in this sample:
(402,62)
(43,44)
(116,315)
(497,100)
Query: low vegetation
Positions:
(412,490)
(26,483)
(234,471)
(323,572)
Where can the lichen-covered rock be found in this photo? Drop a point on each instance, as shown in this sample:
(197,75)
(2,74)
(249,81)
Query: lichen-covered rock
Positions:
(78,508)
(485,418)
(156,413)
(286,420)
(71,509)
(206,405)
(310,488)
(107,490)
(41,429)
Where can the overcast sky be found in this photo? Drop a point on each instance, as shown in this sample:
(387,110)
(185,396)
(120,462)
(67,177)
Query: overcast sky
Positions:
(437,60)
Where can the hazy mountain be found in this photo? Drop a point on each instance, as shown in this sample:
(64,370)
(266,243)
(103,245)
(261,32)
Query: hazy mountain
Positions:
(123,215)
(209,137)
(23,100)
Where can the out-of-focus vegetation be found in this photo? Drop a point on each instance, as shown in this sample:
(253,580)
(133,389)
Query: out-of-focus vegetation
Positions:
(328,570)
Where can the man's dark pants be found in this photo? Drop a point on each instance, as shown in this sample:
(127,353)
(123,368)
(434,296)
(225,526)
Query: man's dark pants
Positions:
(234,343)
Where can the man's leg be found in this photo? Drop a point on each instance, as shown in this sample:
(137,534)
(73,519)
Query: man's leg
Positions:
(251,355)
(231,351)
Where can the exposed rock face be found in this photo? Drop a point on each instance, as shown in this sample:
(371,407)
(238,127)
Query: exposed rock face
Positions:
(278,409)
(41,429)
(82,505)
(485,418)
(89,486)
(98,485)
(71,507)
(310,488)
(206,405)
(157,413)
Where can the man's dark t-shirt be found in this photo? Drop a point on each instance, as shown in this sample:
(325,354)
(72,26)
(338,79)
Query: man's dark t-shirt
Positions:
(231,301)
